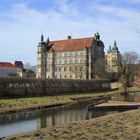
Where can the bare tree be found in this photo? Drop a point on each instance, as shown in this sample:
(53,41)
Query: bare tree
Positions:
(129,67)
(78,72)
(27,65)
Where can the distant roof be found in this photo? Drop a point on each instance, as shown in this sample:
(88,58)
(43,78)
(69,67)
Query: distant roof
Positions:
(71,44)
(18,62)
(6,65)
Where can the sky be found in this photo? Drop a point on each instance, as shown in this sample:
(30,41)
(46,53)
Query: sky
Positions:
(23,21)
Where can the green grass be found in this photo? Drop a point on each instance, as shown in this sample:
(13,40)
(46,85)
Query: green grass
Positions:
(26,103)
(119,126)
(19,104)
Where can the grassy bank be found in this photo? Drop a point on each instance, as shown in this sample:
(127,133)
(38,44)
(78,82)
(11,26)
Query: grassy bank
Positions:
(19,104)
(121,126)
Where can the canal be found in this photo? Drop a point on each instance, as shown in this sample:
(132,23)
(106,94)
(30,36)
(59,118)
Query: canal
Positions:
(32,120)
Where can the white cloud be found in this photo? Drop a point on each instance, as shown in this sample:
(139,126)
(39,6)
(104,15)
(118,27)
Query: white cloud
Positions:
(20,36)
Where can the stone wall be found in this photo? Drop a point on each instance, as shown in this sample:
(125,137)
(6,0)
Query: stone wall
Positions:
(116,85)
(36,87)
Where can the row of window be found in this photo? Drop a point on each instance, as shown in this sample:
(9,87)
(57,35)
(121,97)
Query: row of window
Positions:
(66,61)
(68,54)
(71,69)
(4,72)
(68,76)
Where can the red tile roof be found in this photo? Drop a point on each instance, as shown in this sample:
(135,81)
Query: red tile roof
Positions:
(6,65)
(71,44)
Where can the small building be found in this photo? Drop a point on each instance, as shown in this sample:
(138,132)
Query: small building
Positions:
(19,64)
(28,73)
(9,69)
(113,59)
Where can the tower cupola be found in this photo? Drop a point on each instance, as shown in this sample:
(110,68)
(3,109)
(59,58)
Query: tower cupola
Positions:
(42,38)
(115,46)
(97,35)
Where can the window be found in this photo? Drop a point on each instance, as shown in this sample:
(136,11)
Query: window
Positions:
(81,53)
(61,55)
(70,54)
(66,61)
(65,69)
(76,54)
(76,61)
(71,61)
(70,68)
(81,61)
(65,54)
(59,69)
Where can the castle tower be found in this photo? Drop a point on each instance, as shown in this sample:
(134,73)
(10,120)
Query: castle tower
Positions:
(41,59)
(113,59)
(97,57)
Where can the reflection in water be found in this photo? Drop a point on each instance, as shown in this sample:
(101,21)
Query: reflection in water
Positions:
(32,120)
(133,97)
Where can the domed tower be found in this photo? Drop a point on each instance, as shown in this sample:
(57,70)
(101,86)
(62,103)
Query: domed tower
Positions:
(113,59)
(41,59)
(115,48)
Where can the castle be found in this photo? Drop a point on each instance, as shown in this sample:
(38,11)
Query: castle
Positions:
(81,58)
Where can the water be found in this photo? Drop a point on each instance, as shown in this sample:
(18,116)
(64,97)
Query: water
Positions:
(32,120)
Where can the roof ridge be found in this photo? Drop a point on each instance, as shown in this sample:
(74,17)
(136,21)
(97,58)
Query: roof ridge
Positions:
(71,39)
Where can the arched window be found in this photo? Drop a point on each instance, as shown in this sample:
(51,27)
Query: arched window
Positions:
(70,68)
(65,69)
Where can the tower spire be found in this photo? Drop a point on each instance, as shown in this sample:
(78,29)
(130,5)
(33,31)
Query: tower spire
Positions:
(42,38)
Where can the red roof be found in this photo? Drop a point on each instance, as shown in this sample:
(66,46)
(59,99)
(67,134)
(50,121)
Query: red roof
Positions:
(71,44)
(6,65)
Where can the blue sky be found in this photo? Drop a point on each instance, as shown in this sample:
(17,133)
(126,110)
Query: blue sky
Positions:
(23,21)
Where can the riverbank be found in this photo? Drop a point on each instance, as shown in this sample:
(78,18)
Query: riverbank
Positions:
(120,126)
(32,103)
